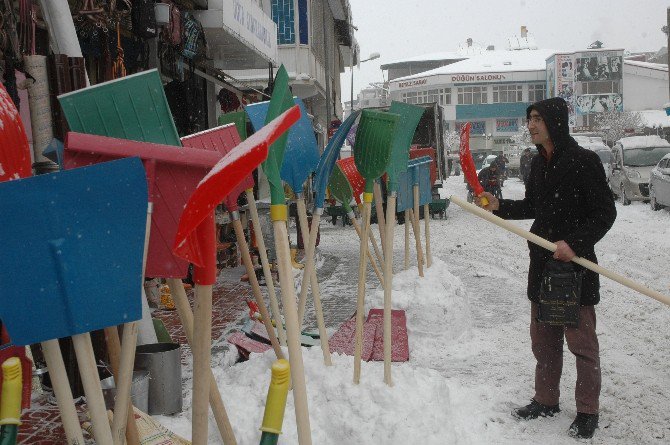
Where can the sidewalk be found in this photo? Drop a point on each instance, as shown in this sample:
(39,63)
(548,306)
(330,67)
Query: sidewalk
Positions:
(41,424)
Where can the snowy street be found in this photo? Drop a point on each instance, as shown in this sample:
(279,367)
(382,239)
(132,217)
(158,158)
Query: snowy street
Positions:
(470,358)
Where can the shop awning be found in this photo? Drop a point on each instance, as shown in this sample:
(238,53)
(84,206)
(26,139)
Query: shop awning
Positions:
(240,35)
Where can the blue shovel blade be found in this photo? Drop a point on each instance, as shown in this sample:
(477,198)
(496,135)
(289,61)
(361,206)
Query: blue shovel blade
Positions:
(301,154)
(405,197)
(420,174)
(73,241)
(329,157)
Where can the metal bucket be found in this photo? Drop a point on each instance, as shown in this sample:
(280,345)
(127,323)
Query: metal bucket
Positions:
(163,362)
(139,391)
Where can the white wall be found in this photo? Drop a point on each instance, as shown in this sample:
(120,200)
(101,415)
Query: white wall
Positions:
(644,88)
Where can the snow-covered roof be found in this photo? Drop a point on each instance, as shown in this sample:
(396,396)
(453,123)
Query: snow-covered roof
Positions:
(643,142)
(655,118)
(653,66)
(493,62)
(432,57)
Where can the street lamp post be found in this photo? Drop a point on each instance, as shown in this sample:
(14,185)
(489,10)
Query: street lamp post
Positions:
(373,56)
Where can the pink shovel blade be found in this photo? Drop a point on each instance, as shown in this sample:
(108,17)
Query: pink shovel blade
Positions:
(221,180)
(223,139)
(172,173)
(15,160)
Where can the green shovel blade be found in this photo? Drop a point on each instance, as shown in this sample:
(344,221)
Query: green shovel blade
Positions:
(281,101)
(410,115)
(372,150)
(339,187)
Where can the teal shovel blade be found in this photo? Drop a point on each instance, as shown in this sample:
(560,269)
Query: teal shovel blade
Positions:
(72,246)
(410,115)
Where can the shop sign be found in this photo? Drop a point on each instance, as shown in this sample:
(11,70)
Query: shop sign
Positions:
(460,78)
(507,125)
(412,83)
(478,127)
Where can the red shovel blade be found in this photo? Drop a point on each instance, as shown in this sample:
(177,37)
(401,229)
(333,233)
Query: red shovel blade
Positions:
(467,163)
(15,160)
(220,181)
(222,139)
(355,179)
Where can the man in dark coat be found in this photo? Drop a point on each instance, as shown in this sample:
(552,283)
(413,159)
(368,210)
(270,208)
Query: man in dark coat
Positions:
(568,197)
(524,164)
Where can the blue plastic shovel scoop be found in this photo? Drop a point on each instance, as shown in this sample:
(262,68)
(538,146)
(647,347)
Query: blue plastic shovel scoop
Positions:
(72,245)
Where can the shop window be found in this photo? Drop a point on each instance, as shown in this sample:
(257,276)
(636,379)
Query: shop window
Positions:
(536,92)
(410,97)
(472,95)
(506,93)
(283,16)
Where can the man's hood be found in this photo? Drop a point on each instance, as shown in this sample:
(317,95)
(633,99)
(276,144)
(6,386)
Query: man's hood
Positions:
(554,112)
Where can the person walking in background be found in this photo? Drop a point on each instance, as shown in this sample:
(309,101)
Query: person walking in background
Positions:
(524,164)
(568,198)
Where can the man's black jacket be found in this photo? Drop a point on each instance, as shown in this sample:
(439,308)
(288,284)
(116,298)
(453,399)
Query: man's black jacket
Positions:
(568,197)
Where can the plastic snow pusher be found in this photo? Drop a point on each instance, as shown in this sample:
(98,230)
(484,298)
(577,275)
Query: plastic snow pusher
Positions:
(192,243)
(372,153)
(224,139)
(409,116)
(61,267)
(468,164)
(281,100)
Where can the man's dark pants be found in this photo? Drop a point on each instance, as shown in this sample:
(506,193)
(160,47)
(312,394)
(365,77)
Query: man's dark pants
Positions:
(547,344)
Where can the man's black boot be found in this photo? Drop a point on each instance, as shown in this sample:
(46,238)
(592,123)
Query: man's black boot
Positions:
(534,410)
(584,426)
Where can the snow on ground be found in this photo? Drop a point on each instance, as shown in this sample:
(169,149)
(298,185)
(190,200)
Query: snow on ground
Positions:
(470,359)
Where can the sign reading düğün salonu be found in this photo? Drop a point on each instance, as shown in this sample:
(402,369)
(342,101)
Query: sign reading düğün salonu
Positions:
(507,125)
(461,78)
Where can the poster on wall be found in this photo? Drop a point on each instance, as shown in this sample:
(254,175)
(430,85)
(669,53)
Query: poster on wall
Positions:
(598,103)
(601,67)
(551,78)
(507,125)
(478,127)
(564,70)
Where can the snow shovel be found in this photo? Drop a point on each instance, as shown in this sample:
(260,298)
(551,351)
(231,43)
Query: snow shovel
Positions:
(357,185)
(75,227)
(372,153)
(419,169)
(16,164)
(468,164)
(301,156)
(404,133)
(490,217)
(340,189)
(192,243)
(281,100)
(239,118)
(172,173)
(224,139)
(133,107)
(323,171)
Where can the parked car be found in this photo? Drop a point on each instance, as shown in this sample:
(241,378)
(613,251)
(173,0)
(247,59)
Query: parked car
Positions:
(596,144)
(659,184)
(632,160)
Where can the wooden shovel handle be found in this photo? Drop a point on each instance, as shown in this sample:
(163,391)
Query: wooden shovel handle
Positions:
(360,302)
(124,416)
(90,379)
(426,220)
(62,391)
(215,401)
(379,208)
(202,355)
(407,224)
(308,271)
(316,291)
(269,283)
(256,289)
(552,247)
(292,332)
(388,279)
(417,231)
(114,352)
(375,267)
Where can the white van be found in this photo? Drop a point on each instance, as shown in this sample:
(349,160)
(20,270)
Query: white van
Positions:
(632,160)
